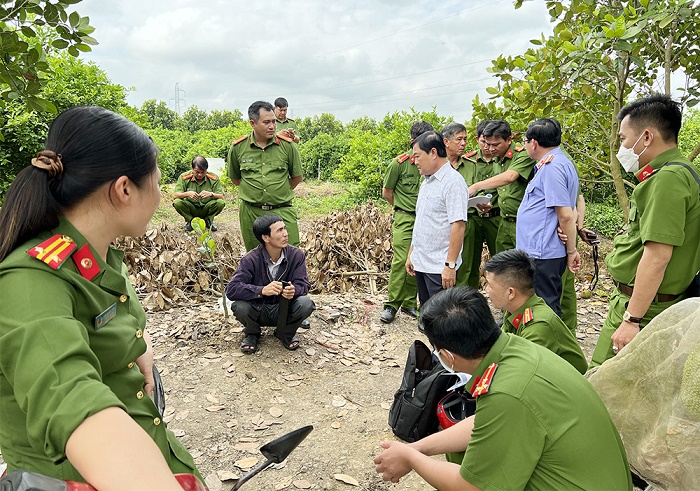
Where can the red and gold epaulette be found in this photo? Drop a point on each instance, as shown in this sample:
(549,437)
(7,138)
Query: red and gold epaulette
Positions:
(239,140)
(189,175)
(213,177)
(470,154)
(545,161)
(481,384)
(402,158)
(645,172)
(509,153)
(285,138)
(519,148)
(527,315)
(53,251)
(85,262)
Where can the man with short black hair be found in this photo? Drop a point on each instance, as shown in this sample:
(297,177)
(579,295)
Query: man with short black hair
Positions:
(441,215)
(270,278)
(510,277)
(286,126)
(400,189)
(655,261)
(198,193)
(538,423)
(549,202)
(267,167)
(512,170)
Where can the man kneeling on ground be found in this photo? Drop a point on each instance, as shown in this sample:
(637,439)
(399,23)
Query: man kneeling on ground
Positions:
(271,281)
(511,287)
(198,193)
(538,423)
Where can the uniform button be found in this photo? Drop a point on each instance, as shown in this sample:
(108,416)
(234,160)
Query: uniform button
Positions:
(139,394)
(123,298)
(130,365)
(139,334)
(156,421)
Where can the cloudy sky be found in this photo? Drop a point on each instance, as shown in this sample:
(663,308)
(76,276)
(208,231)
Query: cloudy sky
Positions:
(350,58)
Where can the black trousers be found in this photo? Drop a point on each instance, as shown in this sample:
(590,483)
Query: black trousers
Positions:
(428,285)
(253,315)
(548,285)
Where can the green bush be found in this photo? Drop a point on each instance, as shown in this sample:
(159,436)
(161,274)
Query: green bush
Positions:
(606,218)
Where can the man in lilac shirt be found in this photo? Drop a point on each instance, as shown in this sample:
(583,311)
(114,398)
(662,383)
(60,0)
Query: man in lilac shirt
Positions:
(549,202)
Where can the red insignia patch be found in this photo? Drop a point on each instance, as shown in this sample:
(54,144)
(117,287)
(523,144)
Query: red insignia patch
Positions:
(470,154)
(189,176)
(212,177)
(527,315)
(516,320)
(53,251)
(481,384)
(403,158)
(519,148)
(509,153)
(285,138)
(645,172)
(86,262)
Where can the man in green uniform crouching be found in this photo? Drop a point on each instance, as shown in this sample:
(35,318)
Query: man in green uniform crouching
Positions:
(198,193)
(538,423)
(655,261)
(267,167)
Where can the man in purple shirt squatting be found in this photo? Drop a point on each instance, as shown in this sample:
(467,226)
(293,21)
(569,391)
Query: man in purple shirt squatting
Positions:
(549,202)
(271,279)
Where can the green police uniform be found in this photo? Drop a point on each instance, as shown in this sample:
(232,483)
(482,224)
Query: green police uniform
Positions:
(540,425)
(537,322)
(70,332)
(265,183)
(510,195)
(287,124)
(664,208)
(206,208)
(480,226)
(403,178)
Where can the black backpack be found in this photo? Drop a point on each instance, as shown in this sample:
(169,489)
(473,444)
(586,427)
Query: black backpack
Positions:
(693,289)
(413,414)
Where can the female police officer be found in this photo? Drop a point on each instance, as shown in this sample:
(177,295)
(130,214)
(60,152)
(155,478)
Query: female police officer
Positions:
(75,362)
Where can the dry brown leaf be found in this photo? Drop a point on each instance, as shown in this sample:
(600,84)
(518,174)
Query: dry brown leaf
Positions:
(215,408)
(335,424)
(374,370)
(284,483)
(225,475)
(213,399)
(346,479)
(302,484)
(247,463)
(276,412)
(247,447)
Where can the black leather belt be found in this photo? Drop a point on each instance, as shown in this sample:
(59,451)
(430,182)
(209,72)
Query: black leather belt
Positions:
(659,298)
(490,214)
(267,207)
(396,208)
(510,219)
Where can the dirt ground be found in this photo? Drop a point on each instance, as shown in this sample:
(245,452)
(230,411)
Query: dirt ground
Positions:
(224,405)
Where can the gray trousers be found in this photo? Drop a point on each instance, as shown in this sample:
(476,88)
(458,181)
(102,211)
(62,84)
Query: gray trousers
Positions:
(253,315)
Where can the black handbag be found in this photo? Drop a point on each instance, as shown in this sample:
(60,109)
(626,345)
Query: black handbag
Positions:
(413,414)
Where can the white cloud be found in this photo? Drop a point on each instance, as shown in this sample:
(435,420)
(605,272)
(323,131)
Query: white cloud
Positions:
(349,58)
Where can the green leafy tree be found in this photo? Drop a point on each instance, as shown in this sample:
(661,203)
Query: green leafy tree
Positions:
(598,57)
(192,119)
(221,119)
(159,115)
(309,127)
(30,30)
(321,155)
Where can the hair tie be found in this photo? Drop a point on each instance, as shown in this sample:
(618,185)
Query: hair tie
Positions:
(49,161)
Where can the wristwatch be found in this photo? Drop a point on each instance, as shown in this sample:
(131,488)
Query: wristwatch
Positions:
(451,265)
(627,317)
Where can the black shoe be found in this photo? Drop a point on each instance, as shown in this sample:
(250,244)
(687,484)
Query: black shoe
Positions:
(207,223)
(305,324)
(188,227)
(388,315)
(410,311)
(214,228)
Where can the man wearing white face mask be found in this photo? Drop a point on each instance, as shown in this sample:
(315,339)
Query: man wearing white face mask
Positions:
(655,261)
(538,423)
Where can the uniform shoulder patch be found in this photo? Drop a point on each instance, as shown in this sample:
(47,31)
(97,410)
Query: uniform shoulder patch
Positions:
(402,158)
(53,251)
(470,154)
(213,177)
(285,138)
(544,161)
(527,315)
(187,175)
(519,148)
(239,140)
(482,384)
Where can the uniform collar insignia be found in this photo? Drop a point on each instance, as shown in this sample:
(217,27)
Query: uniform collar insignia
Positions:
(645,172)
(516,320)
(85,262)
(509,154)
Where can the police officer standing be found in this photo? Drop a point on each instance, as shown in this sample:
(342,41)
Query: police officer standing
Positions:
(267,167)
(655,261)
(287,126)
(512,168)
(400,189)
